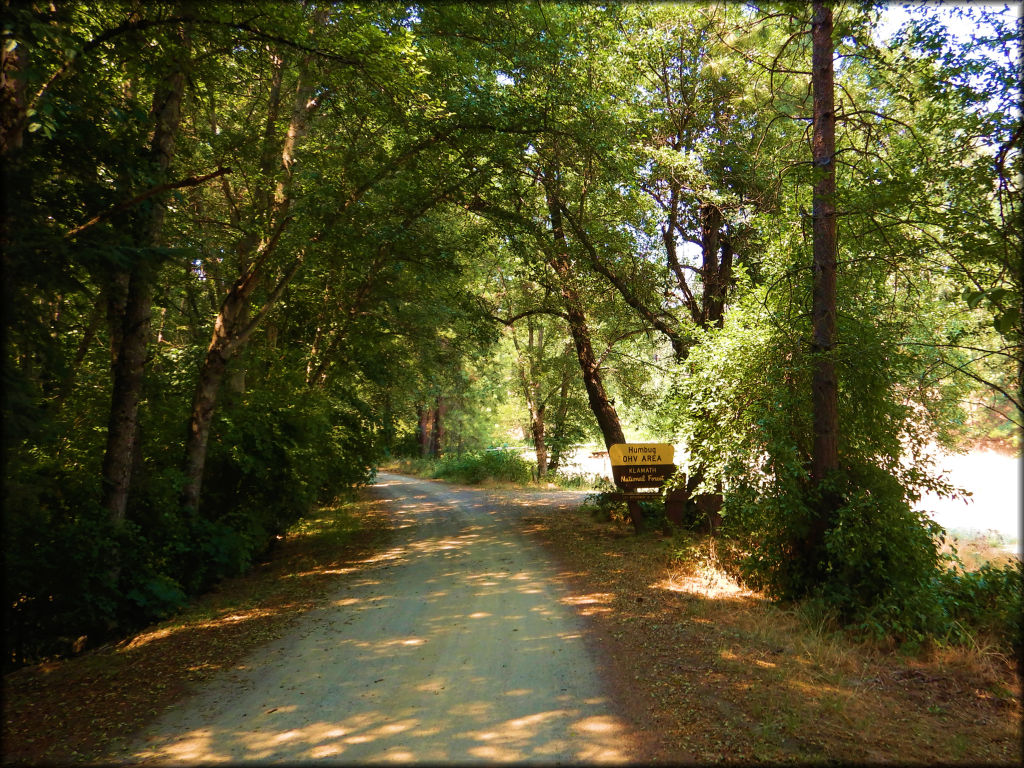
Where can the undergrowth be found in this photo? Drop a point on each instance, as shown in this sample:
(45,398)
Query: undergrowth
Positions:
(495,465)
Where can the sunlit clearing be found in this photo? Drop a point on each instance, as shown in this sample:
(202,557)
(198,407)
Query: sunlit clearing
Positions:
(196,746)
(708,583)
(392,728)
(319,572)
(766,664)
(595,602)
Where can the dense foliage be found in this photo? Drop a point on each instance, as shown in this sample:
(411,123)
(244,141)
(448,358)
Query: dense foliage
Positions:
(250,250)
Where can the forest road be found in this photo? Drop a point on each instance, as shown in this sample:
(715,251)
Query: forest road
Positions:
(456,645)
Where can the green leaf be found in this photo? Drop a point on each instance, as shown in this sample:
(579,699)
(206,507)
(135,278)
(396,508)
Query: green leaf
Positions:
(996,295)
(1007,321)
(973,298)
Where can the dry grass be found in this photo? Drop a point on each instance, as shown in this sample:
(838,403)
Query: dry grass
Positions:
(718,673)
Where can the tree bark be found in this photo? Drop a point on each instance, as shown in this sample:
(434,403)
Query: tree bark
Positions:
(679,345)
(558,432)
(12,98)
(716,266)
(229,336)
(425,431)
(132,305)
(560,262)
(825,456)
(233,325)
(824,387)
(437,438)
(204,399)
(537,429)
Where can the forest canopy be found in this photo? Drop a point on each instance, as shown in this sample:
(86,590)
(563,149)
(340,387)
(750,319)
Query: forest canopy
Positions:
(250,250)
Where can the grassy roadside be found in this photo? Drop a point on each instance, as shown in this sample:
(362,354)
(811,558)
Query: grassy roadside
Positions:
(83,709)
(717,673)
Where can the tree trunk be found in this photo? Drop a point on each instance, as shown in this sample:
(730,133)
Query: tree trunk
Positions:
(710,228)
(129,364)
(131,319)
(537,428)
(825,457)
(604,411)
(204,399)
(13,103)
(559,426)
(437,438)
(234,325)
(426,430)
(825,397)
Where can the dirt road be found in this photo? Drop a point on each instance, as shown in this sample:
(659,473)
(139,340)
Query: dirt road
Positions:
(456,645)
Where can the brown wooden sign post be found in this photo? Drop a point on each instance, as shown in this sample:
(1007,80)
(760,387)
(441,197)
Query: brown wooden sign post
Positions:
(640,465)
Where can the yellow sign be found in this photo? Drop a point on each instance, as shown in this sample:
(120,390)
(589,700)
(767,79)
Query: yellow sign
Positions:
(636,454)
(641,465)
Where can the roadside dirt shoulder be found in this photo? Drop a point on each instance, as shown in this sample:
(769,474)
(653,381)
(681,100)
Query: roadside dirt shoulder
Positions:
(716,673)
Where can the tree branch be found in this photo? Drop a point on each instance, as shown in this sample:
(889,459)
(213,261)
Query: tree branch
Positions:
(191,181)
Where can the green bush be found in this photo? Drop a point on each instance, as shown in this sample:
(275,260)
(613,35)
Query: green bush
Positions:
(270,461)
(583,481)
(741,402)
(989,600)
(604,508)
(475,467)
(59,547)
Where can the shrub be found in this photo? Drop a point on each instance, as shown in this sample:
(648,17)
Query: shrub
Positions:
(270,461)
(741,402)
(58,549)
(476,467)
(988,600)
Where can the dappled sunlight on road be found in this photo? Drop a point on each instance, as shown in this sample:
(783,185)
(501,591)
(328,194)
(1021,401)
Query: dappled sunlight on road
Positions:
(380,735)
(452,646)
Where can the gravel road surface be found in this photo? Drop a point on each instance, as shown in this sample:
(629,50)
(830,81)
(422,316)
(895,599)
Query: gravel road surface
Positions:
(456,645)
